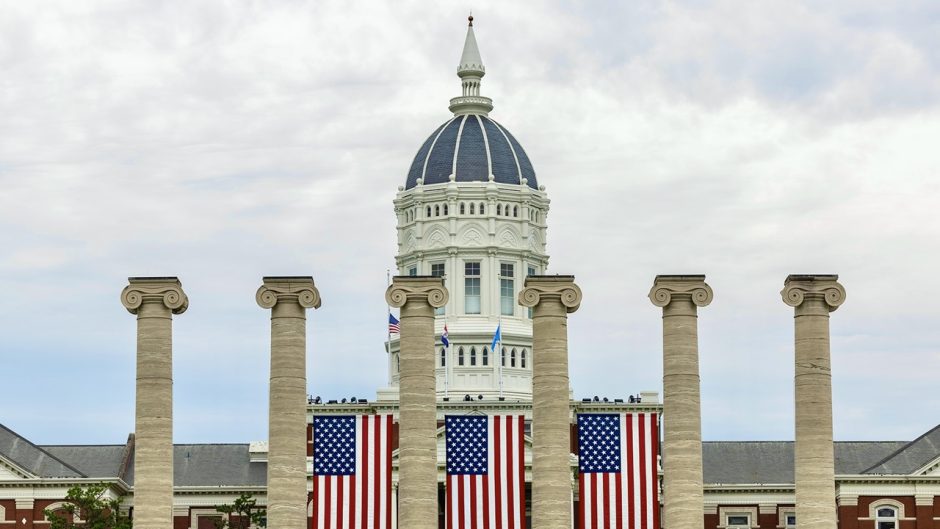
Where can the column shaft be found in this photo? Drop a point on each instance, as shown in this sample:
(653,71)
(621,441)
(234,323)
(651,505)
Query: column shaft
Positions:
(813,450)
(417,418)
(682,437)
(287,438)
(551,424)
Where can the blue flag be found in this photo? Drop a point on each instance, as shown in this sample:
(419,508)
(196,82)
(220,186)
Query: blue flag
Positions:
(497,338)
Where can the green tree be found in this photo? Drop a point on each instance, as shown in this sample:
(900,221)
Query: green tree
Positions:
(95,509)
(246,509)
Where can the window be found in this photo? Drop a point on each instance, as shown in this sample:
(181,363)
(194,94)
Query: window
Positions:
(739,520)
(507,303)
(471,208)
(429,211)
(789,520)
(398,363)
(473,356)
(471,290)
(486,356)
(499,209)
(515,211)
(482,209)
(522,359)
(437,270)
(443,357)
(502,359)
(413,271)
(463,208)
(512,358)
(437,211)
(445,209)
(460,356)
(886,518)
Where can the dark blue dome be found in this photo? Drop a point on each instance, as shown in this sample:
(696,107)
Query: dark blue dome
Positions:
(471,147)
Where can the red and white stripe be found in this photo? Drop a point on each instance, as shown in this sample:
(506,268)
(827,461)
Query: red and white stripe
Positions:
(628,499)
(363,500)
(495,500)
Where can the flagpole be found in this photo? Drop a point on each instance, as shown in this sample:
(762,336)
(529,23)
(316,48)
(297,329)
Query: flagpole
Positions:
(446,365)
(499,354)
(388,330)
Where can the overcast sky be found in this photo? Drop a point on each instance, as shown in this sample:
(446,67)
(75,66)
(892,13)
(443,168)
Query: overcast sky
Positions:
(224,141)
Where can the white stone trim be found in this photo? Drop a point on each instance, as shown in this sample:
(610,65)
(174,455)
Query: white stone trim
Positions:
(453,169)
(782,516)
(725,512)
(486,144)
(58,505)
(885,502)
(424,168)
(195,514)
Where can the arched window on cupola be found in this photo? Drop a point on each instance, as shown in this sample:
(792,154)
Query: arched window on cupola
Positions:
(463,209)
(437,211)
(472,208)
(445,209)
(522,359)
(473,356)
(499,209)
(486,356)
(460,356)
(512,358)
(429,211)
(515,211)
(482,209)
(444,357)
(502,359)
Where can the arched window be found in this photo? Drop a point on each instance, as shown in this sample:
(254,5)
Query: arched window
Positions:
(486,356)
(499,209)
(522,359)
(437,211)
(443,357)
(886,517)
(482,209)
(502,359)
(463,209)
(59,508)
(472,208)
(515,211)
(445,209)
(473,356)
(429,211)
(512,358)
(460,356)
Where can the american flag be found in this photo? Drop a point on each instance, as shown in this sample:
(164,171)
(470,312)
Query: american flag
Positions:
(352,472)
(393,325)
(618,471)
(485,472)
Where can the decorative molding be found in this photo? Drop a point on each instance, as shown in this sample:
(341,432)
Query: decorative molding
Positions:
(405,288)
(826,287)
(166,290)
(667,286)
(561,287)
(280,289)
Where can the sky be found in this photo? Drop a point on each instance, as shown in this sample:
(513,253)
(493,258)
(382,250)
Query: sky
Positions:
(225,141)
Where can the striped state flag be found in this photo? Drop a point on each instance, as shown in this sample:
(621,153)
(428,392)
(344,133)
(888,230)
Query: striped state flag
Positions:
(352,472)
(618,471)
(485,472)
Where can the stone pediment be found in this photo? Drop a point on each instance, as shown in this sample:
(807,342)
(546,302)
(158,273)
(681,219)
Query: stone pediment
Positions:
(10,471)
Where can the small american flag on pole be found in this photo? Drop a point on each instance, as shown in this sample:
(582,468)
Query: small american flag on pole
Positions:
(485,472)
(393,325)
(352,472)
(618,471)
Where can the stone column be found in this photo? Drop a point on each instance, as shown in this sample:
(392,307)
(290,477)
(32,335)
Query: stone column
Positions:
(154,300)
(813,298)
(683,497)
(552,298)
(288,298)
(417,297)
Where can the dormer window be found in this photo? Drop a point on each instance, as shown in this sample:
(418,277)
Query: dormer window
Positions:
(499,209)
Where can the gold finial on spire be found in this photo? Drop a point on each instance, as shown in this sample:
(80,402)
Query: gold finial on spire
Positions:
(470,18)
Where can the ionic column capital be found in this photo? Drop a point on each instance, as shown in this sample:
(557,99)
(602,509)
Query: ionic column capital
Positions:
(165,290)
(559,288)
(693,287)
(799,287)
(280,289)
(412,288)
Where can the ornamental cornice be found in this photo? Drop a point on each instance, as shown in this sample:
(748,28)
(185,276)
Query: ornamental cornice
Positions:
(797,288)
(409,288)
(165,290)
(298,289)
(561,288)
(665,287)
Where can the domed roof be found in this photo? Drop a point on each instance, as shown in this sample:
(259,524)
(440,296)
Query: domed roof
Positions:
(471,147)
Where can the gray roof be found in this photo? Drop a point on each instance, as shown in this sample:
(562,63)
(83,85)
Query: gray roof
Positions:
(32,458)
(772,461)
(216,464)
(94,461)
(910,457)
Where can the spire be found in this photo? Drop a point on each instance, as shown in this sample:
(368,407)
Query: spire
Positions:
(470,71)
